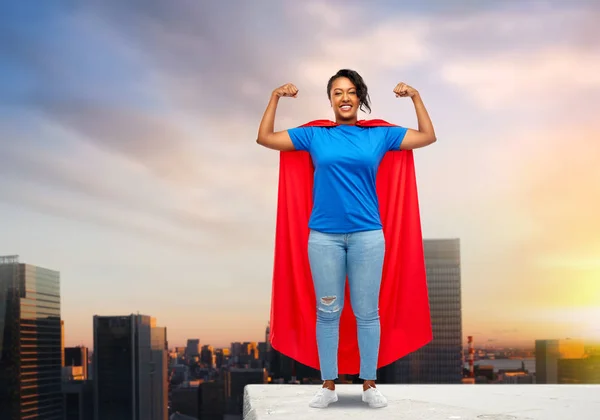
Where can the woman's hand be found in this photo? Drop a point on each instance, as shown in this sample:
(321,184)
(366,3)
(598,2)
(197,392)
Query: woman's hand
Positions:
(404,90)
(288,90)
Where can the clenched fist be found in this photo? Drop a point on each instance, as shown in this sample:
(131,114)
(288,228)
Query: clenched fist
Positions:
(286,90)
(403,90)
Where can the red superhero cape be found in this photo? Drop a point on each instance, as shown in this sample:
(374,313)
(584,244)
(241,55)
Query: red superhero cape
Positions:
(404,304)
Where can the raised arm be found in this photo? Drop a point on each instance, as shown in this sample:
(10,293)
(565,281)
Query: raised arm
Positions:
(425,134)
(267,137)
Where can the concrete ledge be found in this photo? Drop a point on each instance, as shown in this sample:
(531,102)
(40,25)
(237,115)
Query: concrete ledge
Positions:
(431,402)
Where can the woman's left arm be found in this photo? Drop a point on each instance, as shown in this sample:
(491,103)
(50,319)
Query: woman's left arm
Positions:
(425,135)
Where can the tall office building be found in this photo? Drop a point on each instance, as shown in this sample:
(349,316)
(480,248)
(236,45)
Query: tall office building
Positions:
(78,390)
(267,336)
(77,357)
(129,368)
(30,342)
(440,361)
(207,356)
(62,343)
(159,372)
(193,348)
(235,380)
(548,353)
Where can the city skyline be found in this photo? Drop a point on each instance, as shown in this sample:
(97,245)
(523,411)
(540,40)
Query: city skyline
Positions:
(528,343)
(129,161)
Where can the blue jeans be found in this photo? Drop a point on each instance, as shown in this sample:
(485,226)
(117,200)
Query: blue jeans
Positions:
(358,255)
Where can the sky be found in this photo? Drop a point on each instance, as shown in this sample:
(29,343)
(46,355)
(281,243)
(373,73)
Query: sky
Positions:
(128,159)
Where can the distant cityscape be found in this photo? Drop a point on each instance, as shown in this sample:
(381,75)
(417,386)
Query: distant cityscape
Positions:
(131,372)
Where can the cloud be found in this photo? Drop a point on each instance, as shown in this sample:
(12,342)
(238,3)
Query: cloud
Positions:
(64,88)
(156,113)
(196,52)
(526,79)
(47,203)
(93,184)
(519,27)
(388,46)
(509,59)
(151,139)
(498,58)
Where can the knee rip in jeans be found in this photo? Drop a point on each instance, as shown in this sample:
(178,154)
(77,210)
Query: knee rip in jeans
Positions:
(328,301)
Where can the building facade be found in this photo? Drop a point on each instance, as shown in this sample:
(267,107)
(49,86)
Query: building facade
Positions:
(129,368)
(440,361)
(548,354)
(30,342)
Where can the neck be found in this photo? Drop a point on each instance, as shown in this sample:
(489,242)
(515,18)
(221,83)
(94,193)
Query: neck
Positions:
(351,121)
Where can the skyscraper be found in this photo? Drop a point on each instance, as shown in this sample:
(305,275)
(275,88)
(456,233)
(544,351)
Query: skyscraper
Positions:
(547,356)
(130,368)
(159,377)
(77,357)
(30,342)
(440,361)
(193,348)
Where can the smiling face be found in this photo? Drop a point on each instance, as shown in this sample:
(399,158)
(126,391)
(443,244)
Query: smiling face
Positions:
(344,100)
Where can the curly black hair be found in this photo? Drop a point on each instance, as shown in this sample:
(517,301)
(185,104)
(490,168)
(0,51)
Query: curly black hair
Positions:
(361,87)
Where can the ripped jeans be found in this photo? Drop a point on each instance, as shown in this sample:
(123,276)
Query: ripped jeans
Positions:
(358,255)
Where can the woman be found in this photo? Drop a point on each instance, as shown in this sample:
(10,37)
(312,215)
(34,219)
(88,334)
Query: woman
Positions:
(346,236)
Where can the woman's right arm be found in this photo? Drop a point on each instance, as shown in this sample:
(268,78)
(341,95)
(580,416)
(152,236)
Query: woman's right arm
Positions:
(267,137)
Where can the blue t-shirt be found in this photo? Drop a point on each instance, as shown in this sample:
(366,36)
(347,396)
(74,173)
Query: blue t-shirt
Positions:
(346,160)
